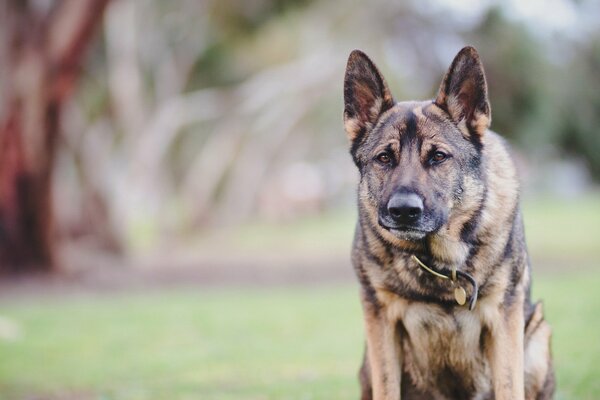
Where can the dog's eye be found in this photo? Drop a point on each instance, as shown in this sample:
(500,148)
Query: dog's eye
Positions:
(438,157)
(384,158)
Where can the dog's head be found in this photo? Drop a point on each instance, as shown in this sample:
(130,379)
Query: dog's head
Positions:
(420,162)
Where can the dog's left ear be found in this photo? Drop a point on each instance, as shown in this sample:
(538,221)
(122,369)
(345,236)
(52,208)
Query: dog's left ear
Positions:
(463,93)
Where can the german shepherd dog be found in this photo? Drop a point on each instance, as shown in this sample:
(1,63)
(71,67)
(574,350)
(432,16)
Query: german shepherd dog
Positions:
(439,247)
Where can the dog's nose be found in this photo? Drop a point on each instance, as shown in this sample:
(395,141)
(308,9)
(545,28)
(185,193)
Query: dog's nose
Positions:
(405,208)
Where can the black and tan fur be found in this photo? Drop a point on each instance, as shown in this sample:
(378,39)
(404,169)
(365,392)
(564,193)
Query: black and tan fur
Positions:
(420,344)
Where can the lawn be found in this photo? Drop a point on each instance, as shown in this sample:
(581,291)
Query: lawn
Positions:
(273,343)
(286,343)
(560,232)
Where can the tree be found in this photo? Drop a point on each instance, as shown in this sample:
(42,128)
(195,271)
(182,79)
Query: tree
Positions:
(41,48)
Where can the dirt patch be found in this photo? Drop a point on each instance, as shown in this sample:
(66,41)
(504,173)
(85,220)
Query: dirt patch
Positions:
(110,275)
(93,273)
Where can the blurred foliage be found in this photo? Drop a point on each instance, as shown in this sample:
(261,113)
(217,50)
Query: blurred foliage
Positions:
(193,114)
(516,70)
(580,110)
(543,94)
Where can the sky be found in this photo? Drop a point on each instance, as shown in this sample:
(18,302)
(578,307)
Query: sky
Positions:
(545,17)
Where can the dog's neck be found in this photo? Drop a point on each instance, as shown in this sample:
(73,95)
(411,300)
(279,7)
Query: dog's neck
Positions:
(455,277)
(438,251)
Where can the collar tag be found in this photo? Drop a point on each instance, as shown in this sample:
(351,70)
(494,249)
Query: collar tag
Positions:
(460,294)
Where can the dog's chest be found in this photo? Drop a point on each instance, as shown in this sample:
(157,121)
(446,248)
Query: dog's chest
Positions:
(443,353)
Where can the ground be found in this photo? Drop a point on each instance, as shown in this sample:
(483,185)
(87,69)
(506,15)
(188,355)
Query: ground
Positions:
(260,322)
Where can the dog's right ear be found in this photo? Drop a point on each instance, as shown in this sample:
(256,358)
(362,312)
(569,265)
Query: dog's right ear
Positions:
(366,95)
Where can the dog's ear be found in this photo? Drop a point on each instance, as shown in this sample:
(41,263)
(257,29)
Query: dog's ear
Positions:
(366,95)
(463,93)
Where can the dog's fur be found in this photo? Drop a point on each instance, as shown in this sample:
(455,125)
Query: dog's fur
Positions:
(420,344)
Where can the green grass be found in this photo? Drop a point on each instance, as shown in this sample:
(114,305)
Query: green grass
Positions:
(288,343)
(560,232)
(216,345)
(293,343)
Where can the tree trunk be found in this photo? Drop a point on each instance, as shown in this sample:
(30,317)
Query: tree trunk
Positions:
(41,55)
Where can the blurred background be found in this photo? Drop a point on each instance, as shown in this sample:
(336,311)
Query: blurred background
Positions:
(177,200)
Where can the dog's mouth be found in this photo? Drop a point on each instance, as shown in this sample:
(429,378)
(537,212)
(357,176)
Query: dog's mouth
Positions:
(405,232)
(424,226)
(408,233)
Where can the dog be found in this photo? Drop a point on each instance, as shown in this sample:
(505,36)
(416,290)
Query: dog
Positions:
(439,247)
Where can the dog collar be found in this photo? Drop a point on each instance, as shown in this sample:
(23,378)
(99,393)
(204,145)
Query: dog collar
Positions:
(460,294)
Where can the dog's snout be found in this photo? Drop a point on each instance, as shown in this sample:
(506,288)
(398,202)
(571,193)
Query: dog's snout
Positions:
(405,208)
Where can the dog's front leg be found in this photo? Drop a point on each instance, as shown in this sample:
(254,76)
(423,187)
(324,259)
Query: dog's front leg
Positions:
(506,353)
(383,351)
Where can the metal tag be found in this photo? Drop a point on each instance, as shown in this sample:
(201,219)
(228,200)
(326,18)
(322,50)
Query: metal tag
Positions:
(460,295)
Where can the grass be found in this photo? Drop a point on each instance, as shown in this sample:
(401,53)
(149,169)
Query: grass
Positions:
(286,343)
(559,231)
(564,231)
(247,344)
(292,343)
